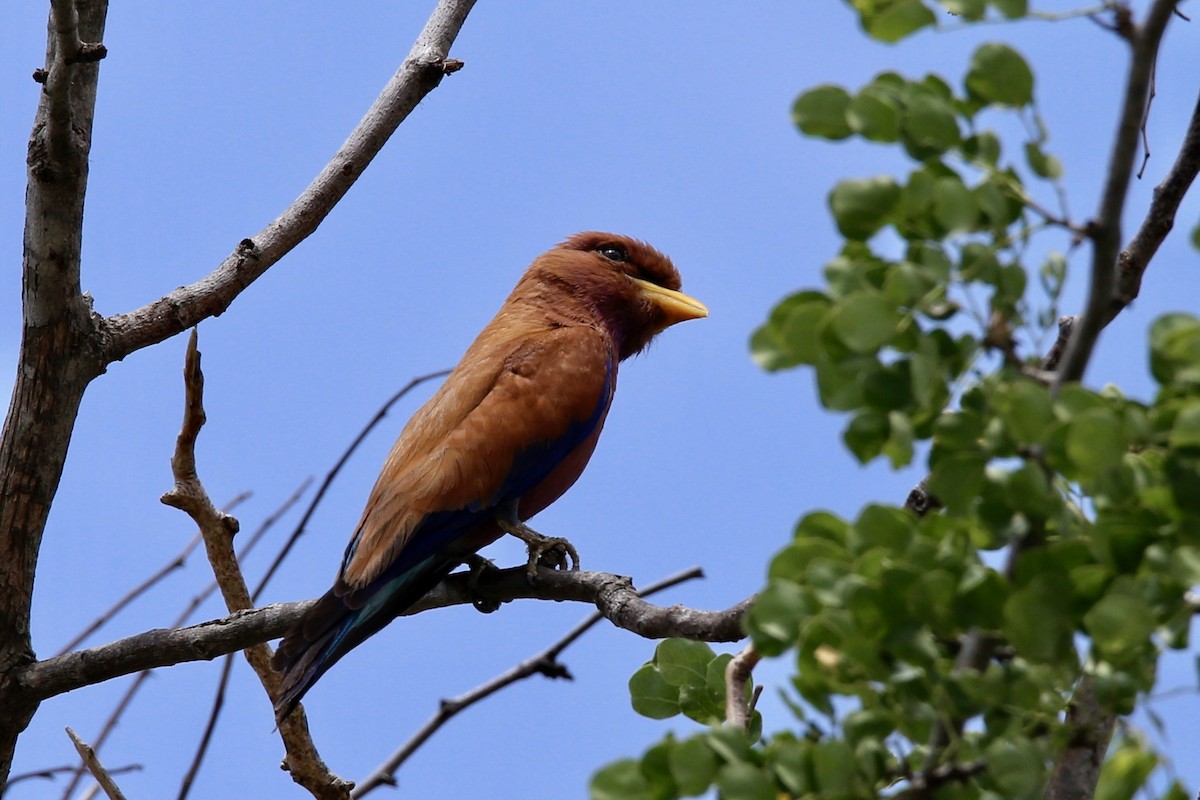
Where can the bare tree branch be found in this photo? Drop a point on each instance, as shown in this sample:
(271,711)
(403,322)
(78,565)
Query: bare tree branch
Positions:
(1105,229)
(198,600)
(329,477)
(419,74)
(133,594)
(302,760)
(210,727)
(57,358)
(1077,767)
(544,663)
(614,595)
(50,773)
(737,676)
(95,767)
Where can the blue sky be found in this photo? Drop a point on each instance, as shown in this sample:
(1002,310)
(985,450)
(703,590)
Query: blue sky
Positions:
(665,121)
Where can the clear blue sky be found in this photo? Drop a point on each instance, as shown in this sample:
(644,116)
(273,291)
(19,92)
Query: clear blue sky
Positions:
(665,121)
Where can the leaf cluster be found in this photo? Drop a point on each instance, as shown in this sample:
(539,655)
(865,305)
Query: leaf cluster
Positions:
(917,336)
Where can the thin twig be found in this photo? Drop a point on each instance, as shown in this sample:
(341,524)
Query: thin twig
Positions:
(210,728)
(226,671)
(543,663)
(419,74)
(127,698)
(301,759)
(175,564)
(102,776)
(738,709)
(50,773)
(312,506)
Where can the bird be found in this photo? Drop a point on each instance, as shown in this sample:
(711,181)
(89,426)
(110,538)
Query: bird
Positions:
(507,433)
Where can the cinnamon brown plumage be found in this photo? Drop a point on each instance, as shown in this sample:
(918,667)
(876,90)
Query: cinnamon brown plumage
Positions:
(512,427)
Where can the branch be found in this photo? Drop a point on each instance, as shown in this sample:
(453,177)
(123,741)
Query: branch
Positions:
(614,595)
(1105,229)
(544,663)
(1135,258)
(95,767)
(127,699)
(1077,768)
(133,594)
(57,358)
(302,760)
(183,308)
(738,709)
(50,773)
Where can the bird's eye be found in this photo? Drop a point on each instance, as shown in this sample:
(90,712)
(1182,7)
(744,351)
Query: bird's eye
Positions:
(613,252)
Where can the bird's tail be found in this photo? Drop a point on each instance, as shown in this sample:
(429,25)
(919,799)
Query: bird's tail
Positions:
(338,623)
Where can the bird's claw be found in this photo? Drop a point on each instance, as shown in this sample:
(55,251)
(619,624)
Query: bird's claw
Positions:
(477,565)
(553,552)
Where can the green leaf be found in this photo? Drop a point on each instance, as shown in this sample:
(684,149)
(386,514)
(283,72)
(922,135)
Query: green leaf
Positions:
(1017,769)
(929,126)
(621,780)
(861,207)
(874,115)
(953,205)
(792,334)
(1096,441)
(774,619)
(999,74)
(834,768)
(1025,409)
(865,322)
(967,9)
(1043,164)
(651,695)
(1037,621)
(1175,349)
(866,435)
(1013,9)
(892,21)
(743,781)
(683,662)
(821,111)
(693,766)
(956,479)
(1125,772)
(1185,432)
(1120,624)
(839,383)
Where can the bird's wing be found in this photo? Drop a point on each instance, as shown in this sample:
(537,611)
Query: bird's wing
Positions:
(549,393)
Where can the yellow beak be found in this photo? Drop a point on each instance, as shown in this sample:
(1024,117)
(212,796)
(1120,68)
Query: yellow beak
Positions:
(676,306)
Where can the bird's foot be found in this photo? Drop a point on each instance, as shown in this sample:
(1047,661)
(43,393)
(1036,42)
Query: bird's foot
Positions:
(547,551)
(477,565)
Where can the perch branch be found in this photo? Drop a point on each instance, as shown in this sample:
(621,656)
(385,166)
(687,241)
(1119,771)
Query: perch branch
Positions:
(613,595)
(544,663)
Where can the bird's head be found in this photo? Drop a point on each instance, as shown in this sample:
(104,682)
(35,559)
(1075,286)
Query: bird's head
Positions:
(626,284)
